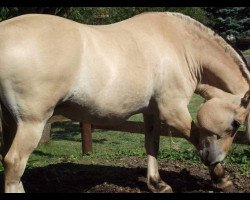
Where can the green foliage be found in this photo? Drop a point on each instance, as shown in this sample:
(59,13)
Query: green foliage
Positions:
(194,105)
(240,155)
(107,15)
(100,15)
(179,149)
(230,20)
(9,12)
(246,52)
(194,12)
(4,12)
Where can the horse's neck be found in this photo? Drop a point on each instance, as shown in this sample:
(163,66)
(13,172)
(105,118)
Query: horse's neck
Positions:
(219,70)
(209,92)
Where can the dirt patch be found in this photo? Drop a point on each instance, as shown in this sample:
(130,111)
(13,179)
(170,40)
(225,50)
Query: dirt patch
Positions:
(82,178)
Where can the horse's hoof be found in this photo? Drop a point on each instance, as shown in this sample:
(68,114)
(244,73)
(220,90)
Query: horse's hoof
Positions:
(225,184)
(217,172)
(220,179)
(159,187)
(166,189)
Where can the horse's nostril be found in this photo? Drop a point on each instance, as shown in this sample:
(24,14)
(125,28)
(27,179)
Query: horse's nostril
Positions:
(206,160)
(204,157)
(207,155)
(207,144)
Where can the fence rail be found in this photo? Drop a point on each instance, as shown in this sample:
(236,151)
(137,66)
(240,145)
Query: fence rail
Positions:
(129,127)
(243,43)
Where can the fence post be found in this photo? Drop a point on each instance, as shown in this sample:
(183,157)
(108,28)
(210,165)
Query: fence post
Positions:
(46,136)
(86,134)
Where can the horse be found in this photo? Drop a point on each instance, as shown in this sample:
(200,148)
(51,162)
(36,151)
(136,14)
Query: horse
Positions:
(151,63)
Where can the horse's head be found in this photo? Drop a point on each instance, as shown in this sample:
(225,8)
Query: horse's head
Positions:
(219,121)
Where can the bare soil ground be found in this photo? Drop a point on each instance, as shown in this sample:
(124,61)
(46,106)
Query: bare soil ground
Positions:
(115,178)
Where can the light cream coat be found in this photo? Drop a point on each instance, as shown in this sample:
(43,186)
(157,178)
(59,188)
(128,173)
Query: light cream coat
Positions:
(151,63)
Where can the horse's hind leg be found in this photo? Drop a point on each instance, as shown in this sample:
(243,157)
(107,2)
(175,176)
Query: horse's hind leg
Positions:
(152,137)
(15,158)
(9,127)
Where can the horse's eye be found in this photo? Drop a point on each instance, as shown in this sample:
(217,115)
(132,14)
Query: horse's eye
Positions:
(218,137)
(235,124)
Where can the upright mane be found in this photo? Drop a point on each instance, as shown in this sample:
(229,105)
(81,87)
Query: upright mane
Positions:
(235,54)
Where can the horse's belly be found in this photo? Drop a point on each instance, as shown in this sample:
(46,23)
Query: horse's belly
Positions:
(97,95)
(96,113)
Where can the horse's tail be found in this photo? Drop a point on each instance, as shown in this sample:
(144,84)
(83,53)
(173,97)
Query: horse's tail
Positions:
(248,127)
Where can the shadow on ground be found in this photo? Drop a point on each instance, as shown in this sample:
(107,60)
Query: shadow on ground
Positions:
(66,130)
(78,178)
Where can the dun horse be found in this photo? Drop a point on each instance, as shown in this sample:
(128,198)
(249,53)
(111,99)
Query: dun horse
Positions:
(151,64)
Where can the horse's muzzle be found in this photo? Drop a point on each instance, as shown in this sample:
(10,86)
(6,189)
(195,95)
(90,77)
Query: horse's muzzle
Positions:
(211,155)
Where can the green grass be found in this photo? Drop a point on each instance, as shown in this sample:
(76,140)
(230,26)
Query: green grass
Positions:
(108,146)
(246,52)
(194,105)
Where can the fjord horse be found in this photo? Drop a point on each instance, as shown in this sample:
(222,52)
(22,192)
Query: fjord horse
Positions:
(151,64)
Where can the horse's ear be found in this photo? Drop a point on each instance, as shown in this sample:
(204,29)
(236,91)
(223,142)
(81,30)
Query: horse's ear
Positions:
(246,99)
(243,110)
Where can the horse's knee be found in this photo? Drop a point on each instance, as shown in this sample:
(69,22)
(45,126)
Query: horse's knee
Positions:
(13,165)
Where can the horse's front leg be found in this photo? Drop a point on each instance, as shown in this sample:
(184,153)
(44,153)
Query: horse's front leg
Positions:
(178,117)
(152,137)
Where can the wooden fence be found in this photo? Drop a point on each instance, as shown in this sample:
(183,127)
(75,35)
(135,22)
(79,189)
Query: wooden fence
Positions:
(126,127)
(243,43)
